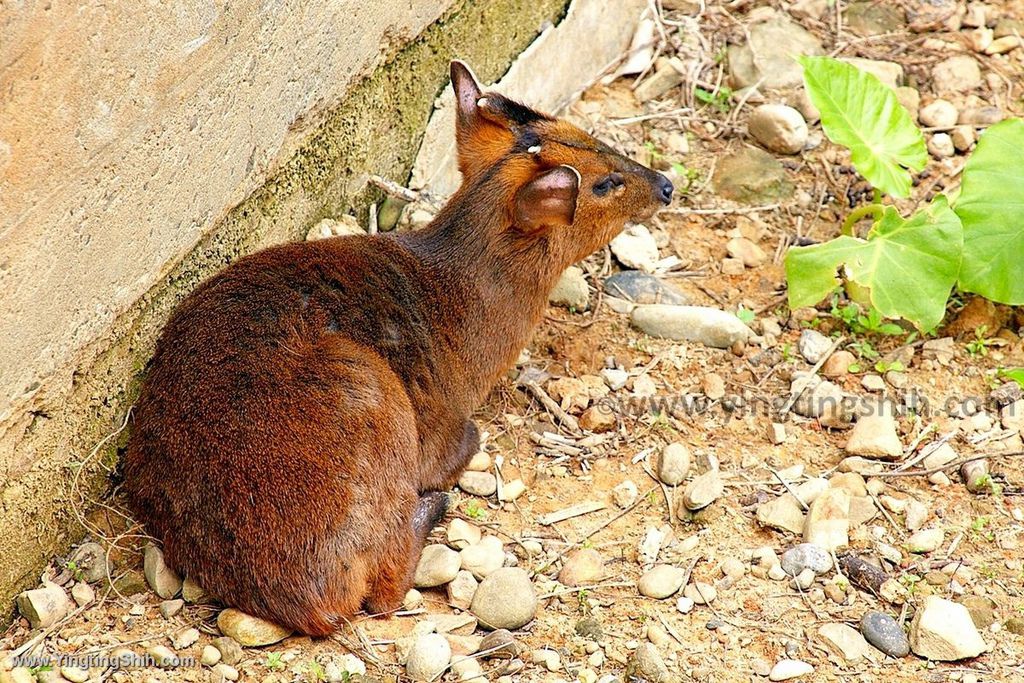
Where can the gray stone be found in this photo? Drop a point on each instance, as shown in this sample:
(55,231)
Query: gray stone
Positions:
(939,114)
(248,630)
(169,608)
(661,581)
(943,631)
(582,567)
(779,128)
(889,73)
(164,581)
(483,484)
(940,146)
(484,558)
(224,672)
(192,592)
(499,643)
(769,53)
(428,657)
(981,608)
(786,669)
(635,247)
(185,638)
(925,540)
(885,634)
(210,656)
(813,345)
(703,490)
(806,556)
(90,562)
(82,593)
(701,593)
(846,642)
(505,599)
(44,606)
(330,227)
(437,566)
(668,74)
(462,534)
(873,18)
(959,73)
(828,520)
(783,513)
(709,326)
(571,290)
(163,656)
(674,464)
(642,288)
(751,176)
(230,650)
(875,436)
(646,664)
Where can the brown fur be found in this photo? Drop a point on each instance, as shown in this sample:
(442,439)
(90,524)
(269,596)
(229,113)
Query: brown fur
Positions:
(306,406)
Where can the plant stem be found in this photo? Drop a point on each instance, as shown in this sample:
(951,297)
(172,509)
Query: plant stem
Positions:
(859,213)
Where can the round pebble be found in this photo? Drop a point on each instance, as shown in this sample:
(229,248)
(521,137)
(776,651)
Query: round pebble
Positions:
(482,484)
(701,593)
(806,556)
(582,567)
(660,581)
(885,634)
(428,657)
(437,566)
(505,599)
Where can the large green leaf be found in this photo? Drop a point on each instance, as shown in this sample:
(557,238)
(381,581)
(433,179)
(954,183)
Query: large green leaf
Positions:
(862,114)
(991,206)
(908,266)
(1015,374)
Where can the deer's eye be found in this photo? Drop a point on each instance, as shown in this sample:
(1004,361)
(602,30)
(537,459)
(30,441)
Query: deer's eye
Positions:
(608,183)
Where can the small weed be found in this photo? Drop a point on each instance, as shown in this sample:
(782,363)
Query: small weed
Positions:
(856,321)
(274,662)
(980,528)
(75,570)
(474,510)
(978,347)
(718,99)
(865,350)
(882,367)
(315,672)
(746,315)
(910,581)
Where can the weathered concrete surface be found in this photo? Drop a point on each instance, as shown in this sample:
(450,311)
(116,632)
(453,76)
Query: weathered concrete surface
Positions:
(111,211)
(568,65)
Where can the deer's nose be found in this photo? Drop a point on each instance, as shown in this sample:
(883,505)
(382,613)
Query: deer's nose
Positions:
(664,189)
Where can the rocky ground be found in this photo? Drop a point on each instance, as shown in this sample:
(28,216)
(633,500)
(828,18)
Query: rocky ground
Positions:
(683,479)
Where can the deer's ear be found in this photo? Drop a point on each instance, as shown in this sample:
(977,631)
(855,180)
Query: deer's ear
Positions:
(548,200)
(467,93)
(481,138)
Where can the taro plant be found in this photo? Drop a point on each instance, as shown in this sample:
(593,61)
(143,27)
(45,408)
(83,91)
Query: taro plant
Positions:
(906,267)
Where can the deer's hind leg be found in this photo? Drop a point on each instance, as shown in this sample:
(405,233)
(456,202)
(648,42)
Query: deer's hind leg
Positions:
(397,566)
(441,469)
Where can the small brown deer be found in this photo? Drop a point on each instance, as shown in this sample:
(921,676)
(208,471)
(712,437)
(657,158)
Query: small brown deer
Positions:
(307,408)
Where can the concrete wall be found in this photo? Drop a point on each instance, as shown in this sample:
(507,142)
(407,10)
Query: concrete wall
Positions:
(143,146)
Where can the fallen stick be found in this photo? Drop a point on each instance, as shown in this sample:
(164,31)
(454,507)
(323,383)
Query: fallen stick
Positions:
(950,465)
(552,407)
(584,508)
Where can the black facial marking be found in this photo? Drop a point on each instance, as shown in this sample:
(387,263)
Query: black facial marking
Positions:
(527,138)
(517,113)
(608,183)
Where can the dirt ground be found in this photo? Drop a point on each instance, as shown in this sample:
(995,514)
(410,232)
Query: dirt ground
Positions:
(755,621)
